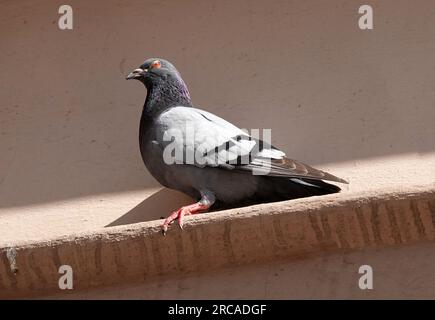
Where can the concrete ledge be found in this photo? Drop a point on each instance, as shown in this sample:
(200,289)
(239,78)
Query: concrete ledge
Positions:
(139,252)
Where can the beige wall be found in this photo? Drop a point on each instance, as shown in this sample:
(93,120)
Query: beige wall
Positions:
(360,103)
(303,68)
(331,93)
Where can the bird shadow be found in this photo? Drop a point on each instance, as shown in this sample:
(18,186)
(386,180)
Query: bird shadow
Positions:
(159,204)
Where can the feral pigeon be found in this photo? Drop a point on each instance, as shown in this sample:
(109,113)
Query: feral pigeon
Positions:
(207,157)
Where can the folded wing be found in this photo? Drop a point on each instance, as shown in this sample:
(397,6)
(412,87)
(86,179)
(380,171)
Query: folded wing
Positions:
(208,140)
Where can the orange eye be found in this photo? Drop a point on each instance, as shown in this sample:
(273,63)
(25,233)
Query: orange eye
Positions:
(156,64)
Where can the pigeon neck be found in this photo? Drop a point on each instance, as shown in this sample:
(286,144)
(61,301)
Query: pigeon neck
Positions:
(162,96)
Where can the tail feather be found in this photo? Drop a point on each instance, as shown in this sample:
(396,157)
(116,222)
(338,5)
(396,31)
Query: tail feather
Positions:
(272,189)
(279,188)
(286,189)
(322,185)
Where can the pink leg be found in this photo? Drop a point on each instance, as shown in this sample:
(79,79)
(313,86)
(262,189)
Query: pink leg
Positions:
(182,212)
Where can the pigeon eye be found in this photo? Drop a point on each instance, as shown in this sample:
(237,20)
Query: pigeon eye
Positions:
(156,64)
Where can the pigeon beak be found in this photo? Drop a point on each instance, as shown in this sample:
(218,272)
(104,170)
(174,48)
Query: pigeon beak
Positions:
(136,73)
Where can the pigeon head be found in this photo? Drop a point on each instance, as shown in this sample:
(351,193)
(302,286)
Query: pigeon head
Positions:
(163,82)
(154,71)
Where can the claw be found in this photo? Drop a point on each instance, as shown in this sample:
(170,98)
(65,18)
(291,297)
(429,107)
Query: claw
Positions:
(180,213)
(181,218)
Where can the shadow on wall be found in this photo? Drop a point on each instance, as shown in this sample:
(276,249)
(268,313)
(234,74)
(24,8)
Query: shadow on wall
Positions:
(329,91)
(163,203)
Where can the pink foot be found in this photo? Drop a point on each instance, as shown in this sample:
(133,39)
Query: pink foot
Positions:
(182,212)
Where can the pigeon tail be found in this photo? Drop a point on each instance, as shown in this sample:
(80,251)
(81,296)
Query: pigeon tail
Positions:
(320,185)
(286,189)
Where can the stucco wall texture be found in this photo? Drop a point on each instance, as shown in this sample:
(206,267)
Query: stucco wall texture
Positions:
(323,276)
(357,103)
(257,237)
